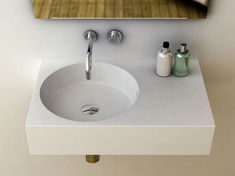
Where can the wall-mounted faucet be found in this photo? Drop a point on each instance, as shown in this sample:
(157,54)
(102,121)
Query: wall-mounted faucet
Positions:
(91,36)
(114,36)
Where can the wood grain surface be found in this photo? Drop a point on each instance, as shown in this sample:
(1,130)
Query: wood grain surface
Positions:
(47,9)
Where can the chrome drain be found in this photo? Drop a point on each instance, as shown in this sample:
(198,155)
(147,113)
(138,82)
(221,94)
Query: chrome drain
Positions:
(90,109)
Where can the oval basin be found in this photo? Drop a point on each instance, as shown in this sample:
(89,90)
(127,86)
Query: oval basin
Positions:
(67,93)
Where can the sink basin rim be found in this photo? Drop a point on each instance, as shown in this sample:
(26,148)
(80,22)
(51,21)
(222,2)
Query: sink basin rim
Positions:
(108,76)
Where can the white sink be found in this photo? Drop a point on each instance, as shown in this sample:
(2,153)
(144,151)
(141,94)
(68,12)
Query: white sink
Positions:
(67,93)
(157,116)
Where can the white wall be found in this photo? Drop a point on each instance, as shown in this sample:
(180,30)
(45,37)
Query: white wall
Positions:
(24,40)
(34,38)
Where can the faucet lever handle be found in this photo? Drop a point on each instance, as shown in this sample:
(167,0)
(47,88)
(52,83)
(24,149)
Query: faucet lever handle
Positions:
(115,36)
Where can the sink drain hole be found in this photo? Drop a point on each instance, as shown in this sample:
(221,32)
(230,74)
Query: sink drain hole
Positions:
(90,109)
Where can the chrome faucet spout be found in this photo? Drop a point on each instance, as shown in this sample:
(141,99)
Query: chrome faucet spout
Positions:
(91,36)
(89,60)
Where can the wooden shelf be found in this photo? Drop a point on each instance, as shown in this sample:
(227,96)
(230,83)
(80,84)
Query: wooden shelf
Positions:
(47,9)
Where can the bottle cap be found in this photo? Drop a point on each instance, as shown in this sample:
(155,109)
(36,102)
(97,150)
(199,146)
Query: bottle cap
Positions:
(166,44)
(183,47)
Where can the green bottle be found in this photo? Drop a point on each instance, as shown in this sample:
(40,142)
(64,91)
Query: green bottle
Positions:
(181,65)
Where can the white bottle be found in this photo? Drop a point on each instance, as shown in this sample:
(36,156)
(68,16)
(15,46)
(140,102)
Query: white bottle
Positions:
(164,61)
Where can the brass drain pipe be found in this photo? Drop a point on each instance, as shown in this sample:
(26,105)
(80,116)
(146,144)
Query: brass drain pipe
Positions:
(92,158)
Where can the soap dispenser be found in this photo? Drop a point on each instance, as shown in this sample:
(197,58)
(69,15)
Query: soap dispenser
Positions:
(164,61)
(181,65)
